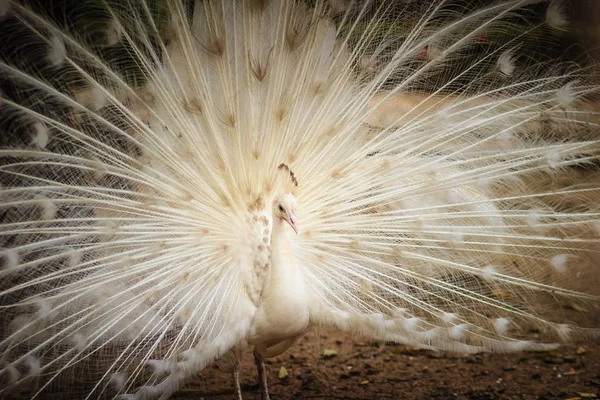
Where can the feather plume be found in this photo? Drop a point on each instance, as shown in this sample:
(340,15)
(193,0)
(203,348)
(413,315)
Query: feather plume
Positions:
(442,204)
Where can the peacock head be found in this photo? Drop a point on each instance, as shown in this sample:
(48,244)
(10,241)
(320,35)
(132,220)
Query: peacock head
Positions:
(284,207)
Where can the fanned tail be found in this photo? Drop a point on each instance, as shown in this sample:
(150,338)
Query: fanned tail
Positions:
(445,197)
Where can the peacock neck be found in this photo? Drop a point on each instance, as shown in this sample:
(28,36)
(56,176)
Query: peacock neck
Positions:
(283,312)
(281,231)
(283,263)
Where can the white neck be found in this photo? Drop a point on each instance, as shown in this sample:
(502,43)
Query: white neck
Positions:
(283,263)
(285,285)
(283,311)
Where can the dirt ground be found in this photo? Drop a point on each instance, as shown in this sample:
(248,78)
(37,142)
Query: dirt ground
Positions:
(355,369)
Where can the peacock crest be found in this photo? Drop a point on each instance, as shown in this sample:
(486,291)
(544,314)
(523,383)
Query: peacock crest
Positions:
(292,178)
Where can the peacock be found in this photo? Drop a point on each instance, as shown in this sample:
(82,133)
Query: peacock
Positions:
(183,181)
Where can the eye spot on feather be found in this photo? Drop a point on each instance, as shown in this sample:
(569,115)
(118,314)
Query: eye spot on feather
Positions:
(9,370)
(147,96)
(280,113)
(185,196)
(448,318)
(193,106)
(534,218)
(125,263)
(267,186)
(292,157)
(10,259)
(220,164)
(32,365)
(564,331)
(397,252)
(506,63)
(225,202)
(318,88)
(184,277)
(332,131)
(152,296)
(216,47)
(489,272)
(337,173)
(74,257)
(114,32)
(456,238)
(367,64)
(308,234)
(554,159)
(458,332)
(385,166)
(365,286)
(416,224)
(484,183)
(56,52)
(501,326)
(556,16)
(230,120)
(79,341)
(354,245)
(433,175)
(159,246)
(559,262)
(566,95)
(108,229)
(258,68)
(40,136)
(118,380)
(399,312)
(4,10)
(411,324)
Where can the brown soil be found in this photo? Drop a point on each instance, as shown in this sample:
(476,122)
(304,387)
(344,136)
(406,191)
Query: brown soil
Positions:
(363,370)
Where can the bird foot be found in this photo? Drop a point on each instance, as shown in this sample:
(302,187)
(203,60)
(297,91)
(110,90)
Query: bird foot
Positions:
(236,384)
(262,377)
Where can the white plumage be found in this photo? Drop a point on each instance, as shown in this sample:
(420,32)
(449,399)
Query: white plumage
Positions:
(445,195)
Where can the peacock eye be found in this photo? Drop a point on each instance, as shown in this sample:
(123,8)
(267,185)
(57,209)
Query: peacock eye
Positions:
(280,208)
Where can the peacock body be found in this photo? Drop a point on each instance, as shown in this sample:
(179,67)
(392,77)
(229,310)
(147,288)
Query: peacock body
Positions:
(151,222)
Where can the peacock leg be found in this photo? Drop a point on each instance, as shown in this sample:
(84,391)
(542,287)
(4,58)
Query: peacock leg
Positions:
(236,381)
(262,377)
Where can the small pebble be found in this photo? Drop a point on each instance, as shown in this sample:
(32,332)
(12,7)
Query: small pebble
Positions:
(305,376)
(283,373)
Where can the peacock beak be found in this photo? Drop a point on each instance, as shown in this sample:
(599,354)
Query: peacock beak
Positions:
(292,221)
